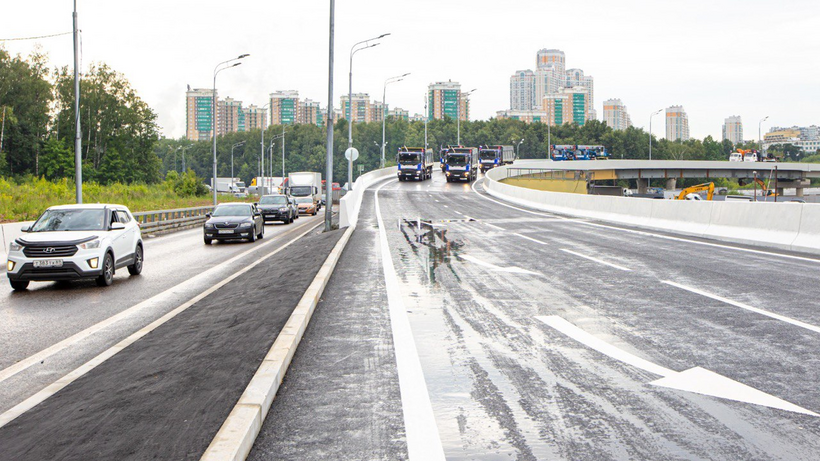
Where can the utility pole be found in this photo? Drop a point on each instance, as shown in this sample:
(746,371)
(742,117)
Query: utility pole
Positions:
(78,139)
(329,159)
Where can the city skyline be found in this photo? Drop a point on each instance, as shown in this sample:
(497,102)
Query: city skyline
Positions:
(692,72)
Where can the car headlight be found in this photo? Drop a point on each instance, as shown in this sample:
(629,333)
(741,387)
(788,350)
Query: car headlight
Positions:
(245,225)
(209,225)
(14,246)
(90,245)
(283,210)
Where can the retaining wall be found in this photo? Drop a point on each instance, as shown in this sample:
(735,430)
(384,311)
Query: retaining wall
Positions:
(349,204)
(785,226)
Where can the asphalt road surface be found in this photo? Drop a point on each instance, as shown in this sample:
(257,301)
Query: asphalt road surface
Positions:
(542,337)
(53,328)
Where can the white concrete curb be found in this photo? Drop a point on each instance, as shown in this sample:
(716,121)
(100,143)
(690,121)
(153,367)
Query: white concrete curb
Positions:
(238,433)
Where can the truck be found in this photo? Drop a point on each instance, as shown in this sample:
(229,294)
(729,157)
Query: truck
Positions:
(306,184)
(264,185)
(493,156)
(593,152)
(461,163)
(228,185)
(414,163)
(560,152)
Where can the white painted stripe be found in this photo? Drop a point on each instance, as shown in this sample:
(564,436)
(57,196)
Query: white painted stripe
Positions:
(511,269)
(494,226)
(532,239)
(166,295)
(603,347)
(459,213)
(56,386)
(747,307)
(650,234)
(696,380)
(596,260)
(423,440)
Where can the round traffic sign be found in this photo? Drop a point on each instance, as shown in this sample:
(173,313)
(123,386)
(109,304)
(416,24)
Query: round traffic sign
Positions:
(352,154)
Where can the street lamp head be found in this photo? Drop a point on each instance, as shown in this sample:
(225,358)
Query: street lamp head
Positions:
(382,35)
(243,56)
(236,64)
(405,75)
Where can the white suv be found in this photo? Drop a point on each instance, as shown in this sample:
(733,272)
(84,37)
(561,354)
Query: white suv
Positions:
(71,242)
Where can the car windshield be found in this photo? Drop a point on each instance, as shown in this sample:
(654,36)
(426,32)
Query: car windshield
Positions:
(406,158)
(273,200)
(77,219)
(487,154)
(304,200)
(301,190)
(457,160)
(232,210)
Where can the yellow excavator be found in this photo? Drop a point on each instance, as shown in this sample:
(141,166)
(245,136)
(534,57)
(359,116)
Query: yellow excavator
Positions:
(709,187)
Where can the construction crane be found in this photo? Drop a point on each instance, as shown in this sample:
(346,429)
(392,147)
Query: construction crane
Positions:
(709,187)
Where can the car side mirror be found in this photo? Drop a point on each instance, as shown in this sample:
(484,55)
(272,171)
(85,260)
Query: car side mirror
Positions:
(116,226)
(25,228)
(208,215)
(255,203)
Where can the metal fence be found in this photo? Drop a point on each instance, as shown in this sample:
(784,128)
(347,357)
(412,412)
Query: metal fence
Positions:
(544,173)
(161,221)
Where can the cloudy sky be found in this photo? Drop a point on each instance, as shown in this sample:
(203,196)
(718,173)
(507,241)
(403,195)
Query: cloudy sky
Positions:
(717,58)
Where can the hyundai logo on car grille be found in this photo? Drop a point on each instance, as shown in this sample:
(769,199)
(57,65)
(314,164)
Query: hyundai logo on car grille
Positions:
(48,250)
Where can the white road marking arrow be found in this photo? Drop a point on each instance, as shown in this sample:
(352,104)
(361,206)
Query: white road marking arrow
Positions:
(697,379)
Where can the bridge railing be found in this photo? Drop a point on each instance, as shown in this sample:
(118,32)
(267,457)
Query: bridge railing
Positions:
(546,173)
(161,221)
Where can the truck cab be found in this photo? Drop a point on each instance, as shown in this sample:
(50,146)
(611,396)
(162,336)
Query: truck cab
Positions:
(414,163)
(461,163)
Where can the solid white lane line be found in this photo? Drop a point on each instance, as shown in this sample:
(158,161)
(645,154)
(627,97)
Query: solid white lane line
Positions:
(423,440)
(647,233)
(596,260)
(747,307)
(168,294)
(697,380)
(459,213)
(494,226)
(511,269)
(56,386)
(532,239)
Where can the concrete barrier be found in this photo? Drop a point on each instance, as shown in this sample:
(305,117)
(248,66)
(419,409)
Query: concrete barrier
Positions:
(349,204)
(786,226)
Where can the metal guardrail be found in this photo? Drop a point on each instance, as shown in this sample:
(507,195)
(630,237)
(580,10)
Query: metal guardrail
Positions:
(545,173)
(160,221)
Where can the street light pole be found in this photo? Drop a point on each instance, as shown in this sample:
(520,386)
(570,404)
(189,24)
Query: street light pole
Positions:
(426,118)
(518,148)
(329,151)
(458,114)
(217,70)
(390,80)
(78,139)
(232,148)
(650,131)
(760,134)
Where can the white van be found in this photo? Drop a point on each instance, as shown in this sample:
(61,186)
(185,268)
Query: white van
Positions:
(735,157)
(750,157)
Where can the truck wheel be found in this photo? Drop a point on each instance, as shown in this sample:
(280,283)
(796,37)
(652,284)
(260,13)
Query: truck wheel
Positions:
(18,285)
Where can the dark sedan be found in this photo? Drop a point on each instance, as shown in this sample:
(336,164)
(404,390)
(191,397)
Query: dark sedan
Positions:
(278,207)
(230,221)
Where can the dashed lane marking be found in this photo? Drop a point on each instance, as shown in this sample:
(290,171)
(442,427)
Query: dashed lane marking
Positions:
(599,261)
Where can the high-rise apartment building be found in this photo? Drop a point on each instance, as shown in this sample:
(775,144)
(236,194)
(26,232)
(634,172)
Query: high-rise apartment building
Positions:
(376,110)
(230,117)
(360,105)
(615,115)
(526,116)
(284,107)
(567,106)
(256,118)
(199,114)
(551,58)
(733,129)
(445,99)
(576,78)
(310,112)
(548,80)
(677,124)
(398,113)
(522,90)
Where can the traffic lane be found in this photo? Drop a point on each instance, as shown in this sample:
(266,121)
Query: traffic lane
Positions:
(51,311)
(166,396)
(340,397)
(496,337)
(752,276)
(58,343)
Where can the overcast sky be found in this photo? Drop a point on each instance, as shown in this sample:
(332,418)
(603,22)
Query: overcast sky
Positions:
(715,57)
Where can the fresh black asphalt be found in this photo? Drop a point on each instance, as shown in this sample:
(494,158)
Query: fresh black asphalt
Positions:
(166,396)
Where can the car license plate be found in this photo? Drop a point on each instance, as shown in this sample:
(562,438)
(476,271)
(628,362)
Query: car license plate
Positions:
(229,231)
(49,263)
